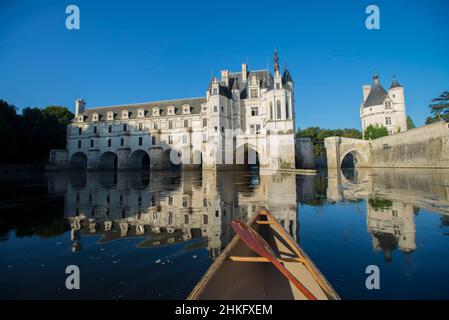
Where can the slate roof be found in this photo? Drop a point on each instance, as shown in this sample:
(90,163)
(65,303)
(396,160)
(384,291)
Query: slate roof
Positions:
(194,103)
(286,77)
(395,83)
(377,94)
(236,82)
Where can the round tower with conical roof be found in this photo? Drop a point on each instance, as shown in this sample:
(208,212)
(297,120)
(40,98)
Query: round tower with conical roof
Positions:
(383,108)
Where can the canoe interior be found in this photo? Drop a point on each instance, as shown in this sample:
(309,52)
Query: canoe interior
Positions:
(227,279)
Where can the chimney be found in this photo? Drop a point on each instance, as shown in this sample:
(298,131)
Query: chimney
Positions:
(244,72)
(366,90)
(225,77)
(80,105)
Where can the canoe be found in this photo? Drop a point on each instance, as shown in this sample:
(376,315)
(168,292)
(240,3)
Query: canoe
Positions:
(239,273)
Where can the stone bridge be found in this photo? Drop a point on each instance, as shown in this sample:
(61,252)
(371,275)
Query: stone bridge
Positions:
(423,147)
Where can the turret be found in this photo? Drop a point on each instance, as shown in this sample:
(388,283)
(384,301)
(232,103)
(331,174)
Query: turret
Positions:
(80,106)
(366,90)
(277,72)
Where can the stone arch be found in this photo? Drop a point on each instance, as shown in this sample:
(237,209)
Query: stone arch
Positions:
(171,159)
(139,160)
(78,161)
(108,161)
(352,159)
(248,157)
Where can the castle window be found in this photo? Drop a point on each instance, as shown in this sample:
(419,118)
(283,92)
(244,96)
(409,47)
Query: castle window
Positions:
(387,104)
(140,126)
(254,111)
(80,130)
(155,126)
(91,143)
(109,143)
(109,129)
(204,122)
(186,123)
(125,127)
(170,124)
(186,109)
(141,113)
(80,118)
(257,128)
(140,141)
(184,139)
(204,138)
(251,129)
(278,109)
(153,140)
(79,144)
(122,142)
(222,129)
(215,109)
(170,139)
(278,86)
(110,115)
(95,117)
(254,93)
(215,91)
(271,110)
(287,110)
(388,120)
(125,114)
(222,109)
(215,128)
(95,129)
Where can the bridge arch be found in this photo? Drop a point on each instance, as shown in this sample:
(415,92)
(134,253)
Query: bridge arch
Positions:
(352,159)
(78,161)
(247,156)
(139,160)
(108,161)
(171,159)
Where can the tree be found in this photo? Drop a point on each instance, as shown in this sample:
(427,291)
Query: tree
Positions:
(317,135)
(410,123)
(28,137)
(374,132)
(439,108)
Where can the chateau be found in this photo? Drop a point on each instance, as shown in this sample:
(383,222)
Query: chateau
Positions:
(384,108)
(246,118)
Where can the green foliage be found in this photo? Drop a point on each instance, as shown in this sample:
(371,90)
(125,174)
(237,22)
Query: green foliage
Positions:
(374,132)
(439,108)
(29,136)
(380,204)
(410,123)
(317,135)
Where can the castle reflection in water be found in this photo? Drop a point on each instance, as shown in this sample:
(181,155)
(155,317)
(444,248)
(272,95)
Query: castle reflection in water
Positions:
(163,208)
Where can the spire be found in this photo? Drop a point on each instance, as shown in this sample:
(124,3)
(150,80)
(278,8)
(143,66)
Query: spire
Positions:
(286,77)
(276,60)
(395,83)
(376,81)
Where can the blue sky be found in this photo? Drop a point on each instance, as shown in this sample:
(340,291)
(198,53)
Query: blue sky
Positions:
(137,51)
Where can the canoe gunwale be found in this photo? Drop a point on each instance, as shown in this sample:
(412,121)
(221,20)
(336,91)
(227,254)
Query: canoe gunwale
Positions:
(277,227)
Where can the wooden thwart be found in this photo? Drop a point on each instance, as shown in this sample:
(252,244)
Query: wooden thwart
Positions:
(262,259)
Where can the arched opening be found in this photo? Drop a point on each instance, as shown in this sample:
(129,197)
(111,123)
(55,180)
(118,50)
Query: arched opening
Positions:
(349,161)
(108,161)
(247,158)
(139,160)
(197,159)
(171,159)
(78,161)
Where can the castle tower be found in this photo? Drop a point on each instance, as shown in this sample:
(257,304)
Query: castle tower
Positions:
(383,108)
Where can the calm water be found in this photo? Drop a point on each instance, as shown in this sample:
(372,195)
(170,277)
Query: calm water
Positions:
(153,236)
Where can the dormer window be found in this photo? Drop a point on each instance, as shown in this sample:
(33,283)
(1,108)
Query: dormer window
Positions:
(254,94)
(94,116)
(171,110)
(80,118)
(215,91)
(110,116)
(156,112)
(186,109)
(125,114)
(204,108)
(388,104)
(141,113)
